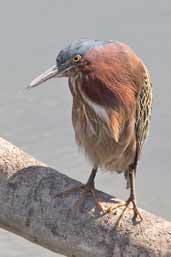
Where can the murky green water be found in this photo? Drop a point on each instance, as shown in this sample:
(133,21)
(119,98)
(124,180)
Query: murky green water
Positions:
(32,32)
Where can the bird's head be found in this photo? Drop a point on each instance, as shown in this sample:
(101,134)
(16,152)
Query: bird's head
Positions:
(70,60)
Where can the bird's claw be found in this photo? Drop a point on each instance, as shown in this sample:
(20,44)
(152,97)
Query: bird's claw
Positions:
(83,189)
(127,206)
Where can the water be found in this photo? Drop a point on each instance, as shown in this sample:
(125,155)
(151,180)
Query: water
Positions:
(38,121)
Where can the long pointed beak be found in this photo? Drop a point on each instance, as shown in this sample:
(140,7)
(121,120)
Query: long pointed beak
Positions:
(48,74)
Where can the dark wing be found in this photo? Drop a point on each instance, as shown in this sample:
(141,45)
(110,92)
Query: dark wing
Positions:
(143,113)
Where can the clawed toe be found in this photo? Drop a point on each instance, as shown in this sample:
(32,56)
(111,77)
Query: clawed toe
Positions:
(84,190)
(113,209)
(70,191)
(137,213)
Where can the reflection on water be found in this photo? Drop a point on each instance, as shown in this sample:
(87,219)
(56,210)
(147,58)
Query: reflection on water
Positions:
(32,32)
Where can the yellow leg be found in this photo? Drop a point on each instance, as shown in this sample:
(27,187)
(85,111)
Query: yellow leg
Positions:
(84,189)
(131,199)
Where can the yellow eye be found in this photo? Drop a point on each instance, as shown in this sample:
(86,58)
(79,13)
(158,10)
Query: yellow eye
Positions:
(76,58)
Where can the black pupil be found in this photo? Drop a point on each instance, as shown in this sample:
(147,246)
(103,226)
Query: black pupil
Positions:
(76,58)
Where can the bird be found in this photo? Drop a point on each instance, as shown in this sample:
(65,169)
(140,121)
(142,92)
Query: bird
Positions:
(112,104)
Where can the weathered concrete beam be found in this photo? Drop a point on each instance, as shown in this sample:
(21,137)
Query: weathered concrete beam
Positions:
(29,208)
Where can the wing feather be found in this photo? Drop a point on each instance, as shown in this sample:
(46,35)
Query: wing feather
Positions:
(143,112)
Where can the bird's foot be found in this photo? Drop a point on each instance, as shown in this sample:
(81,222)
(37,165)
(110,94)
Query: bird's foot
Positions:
(126,204)
(84,190)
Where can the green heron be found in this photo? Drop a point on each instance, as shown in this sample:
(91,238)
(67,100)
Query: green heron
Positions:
(112,101)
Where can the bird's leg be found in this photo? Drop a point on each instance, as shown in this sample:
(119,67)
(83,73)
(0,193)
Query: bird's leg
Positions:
(89,187)
(131,199)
